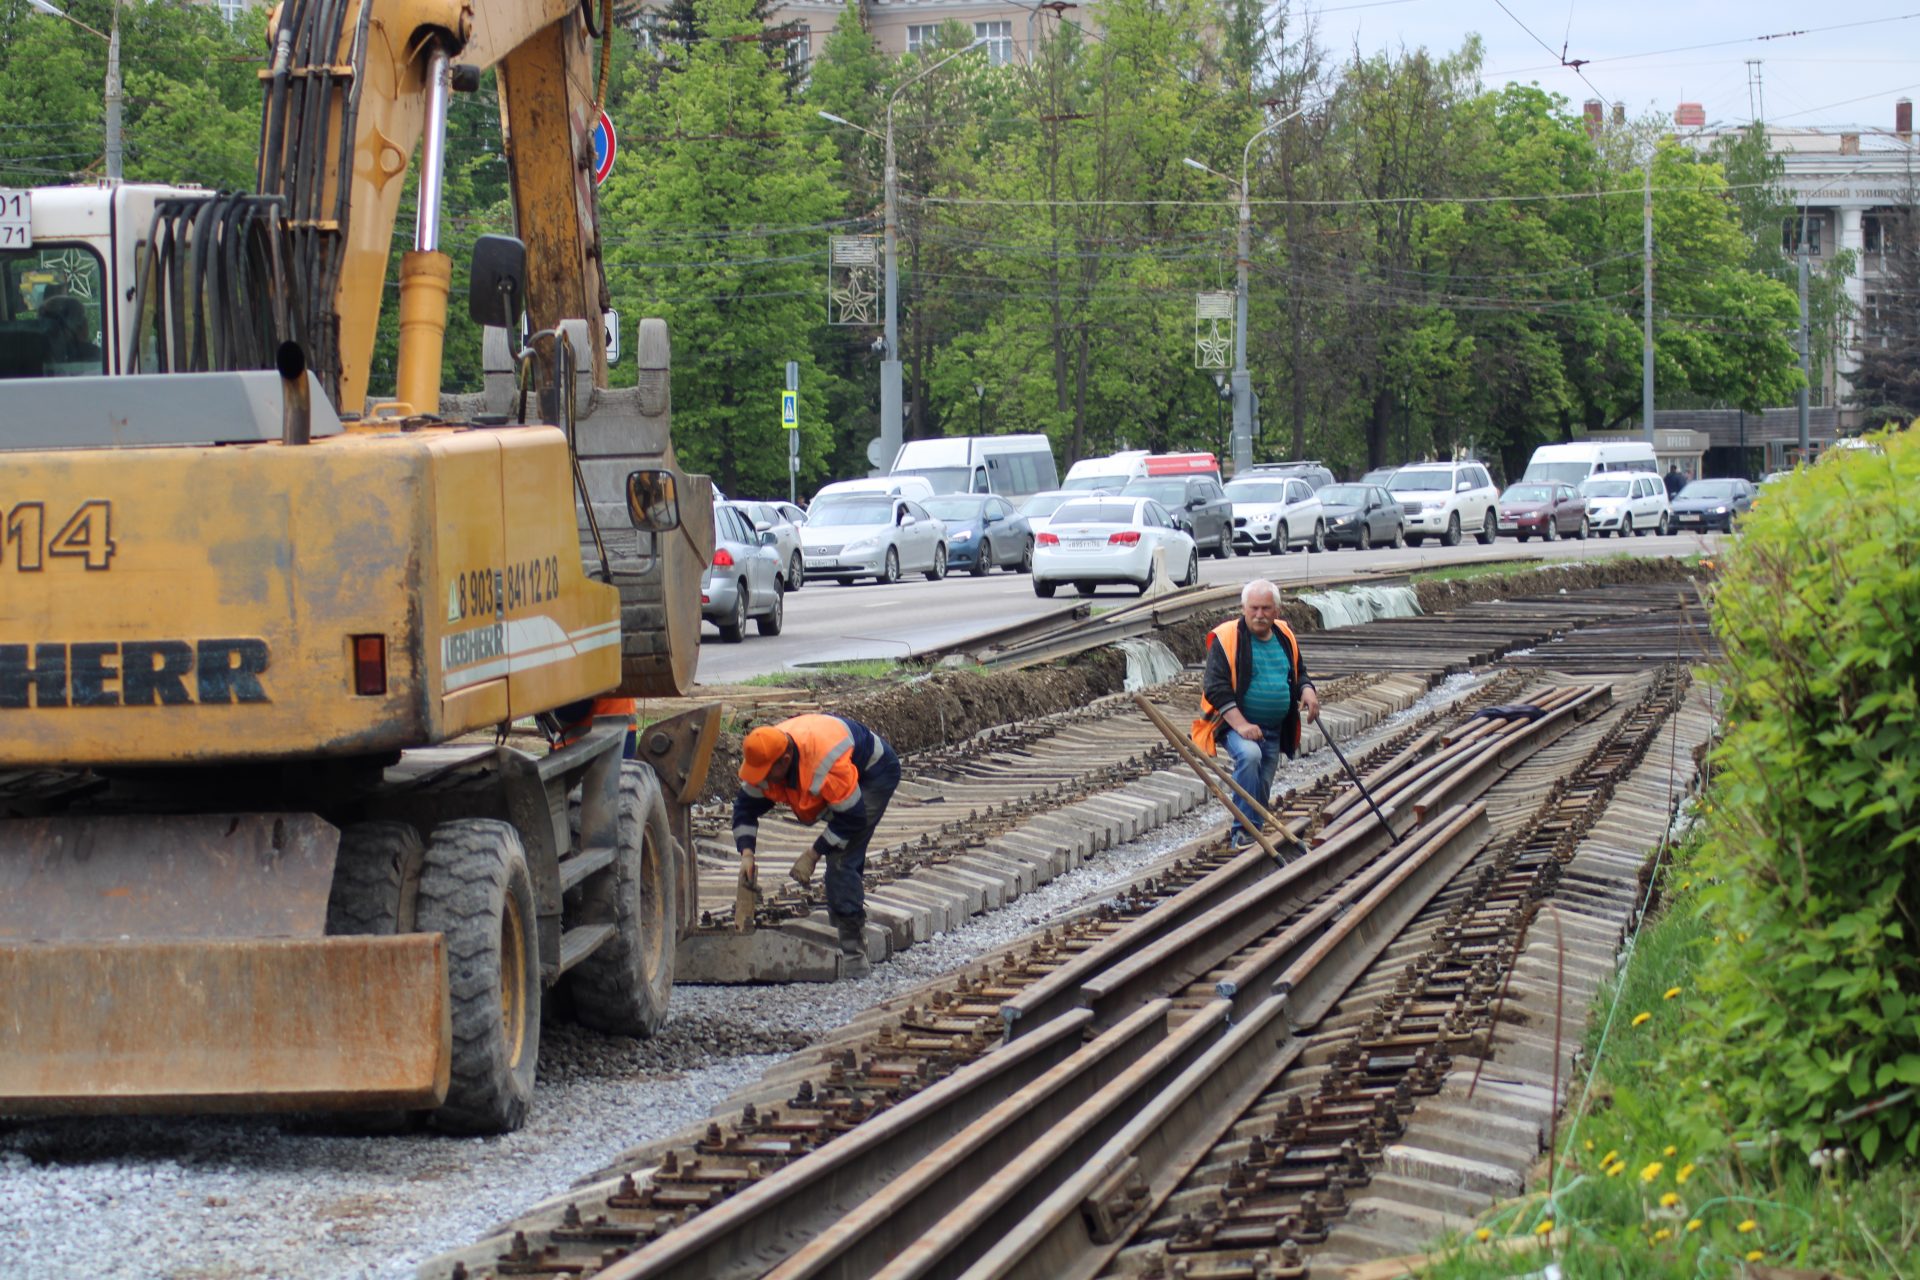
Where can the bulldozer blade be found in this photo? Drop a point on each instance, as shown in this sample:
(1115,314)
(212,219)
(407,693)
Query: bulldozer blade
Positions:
(230,875)
(224,1025)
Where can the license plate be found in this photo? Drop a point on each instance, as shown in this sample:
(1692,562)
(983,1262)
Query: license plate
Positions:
(1081,542)
(16,219)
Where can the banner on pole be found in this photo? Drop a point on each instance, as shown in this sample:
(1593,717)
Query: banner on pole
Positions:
(853,280)
(1212,328)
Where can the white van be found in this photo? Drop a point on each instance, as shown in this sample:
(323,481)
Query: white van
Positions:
(1573,463)
(1111,472)
(1015,467)
(914,487)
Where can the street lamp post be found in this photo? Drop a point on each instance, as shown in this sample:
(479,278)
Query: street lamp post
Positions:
(980,394)
(1242,383)
(881,452)
(114,142)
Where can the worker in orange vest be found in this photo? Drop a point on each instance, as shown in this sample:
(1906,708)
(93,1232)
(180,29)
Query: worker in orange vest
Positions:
(575,718)
(1254,696)
(820,765)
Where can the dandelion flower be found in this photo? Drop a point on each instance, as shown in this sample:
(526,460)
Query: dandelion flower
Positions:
(1588,1144)
(1754,1255)
(1681,1174)
(1482,1234)
(1669,1151)
(1652,1171)
(1546,1225)
(1617,1168)
(1694,1224)
(1670,1199)
(1639,1018)
(1746,1225)
(1661,1234)
(1686,884)
(1610,1157)
(1671,993)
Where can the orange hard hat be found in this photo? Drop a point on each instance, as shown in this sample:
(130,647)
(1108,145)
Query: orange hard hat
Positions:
(760,752)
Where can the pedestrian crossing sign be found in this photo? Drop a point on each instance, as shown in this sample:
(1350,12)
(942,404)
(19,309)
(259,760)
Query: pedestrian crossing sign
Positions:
(790,410)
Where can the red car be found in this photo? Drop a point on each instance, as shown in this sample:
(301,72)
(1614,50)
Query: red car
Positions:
(1543,507)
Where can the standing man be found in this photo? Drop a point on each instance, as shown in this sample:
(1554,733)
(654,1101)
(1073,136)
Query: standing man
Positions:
(1675,481)
(815,765)
(1253,695)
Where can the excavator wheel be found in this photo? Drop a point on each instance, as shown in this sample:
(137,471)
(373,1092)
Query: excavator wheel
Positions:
(623,986)
(475,888)
(376,879)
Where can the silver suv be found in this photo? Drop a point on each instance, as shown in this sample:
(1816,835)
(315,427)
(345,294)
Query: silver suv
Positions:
(1442,499)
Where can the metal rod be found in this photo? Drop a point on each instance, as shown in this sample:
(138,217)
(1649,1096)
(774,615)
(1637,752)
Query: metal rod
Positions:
(433,152)
(1212,780)
(1364,793)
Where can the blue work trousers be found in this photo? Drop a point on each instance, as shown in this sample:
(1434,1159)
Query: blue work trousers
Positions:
(1254,764)
(846,870)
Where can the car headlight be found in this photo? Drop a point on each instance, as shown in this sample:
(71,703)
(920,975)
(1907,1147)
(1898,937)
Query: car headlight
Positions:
(964,535)
(1719,511)
(1341,522)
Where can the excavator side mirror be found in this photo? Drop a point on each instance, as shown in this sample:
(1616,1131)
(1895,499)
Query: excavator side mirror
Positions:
(653,502)
(497,282)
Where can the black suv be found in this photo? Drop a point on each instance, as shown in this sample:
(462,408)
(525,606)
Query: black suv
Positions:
(1314,473)
(1197,504)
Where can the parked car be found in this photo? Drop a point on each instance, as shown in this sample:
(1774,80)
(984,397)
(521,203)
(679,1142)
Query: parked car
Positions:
(1548,508)
(1197,504)
(1040,507)
(872,535)
(1362,516)
(1712,504)
(1314,473)
(1274,510)
(1094,541)
(1627,502)
(1443,498)
(744,579)
(786,537)
(983,532)
(1379,476)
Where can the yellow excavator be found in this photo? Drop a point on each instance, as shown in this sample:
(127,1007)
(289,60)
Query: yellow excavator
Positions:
(247,614)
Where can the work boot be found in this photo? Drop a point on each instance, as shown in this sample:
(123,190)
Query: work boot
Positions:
(803,867)
(853,945)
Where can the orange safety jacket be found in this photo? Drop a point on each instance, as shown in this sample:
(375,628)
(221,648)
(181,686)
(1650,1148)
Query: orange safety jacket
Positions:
(1229,670)
(831,752)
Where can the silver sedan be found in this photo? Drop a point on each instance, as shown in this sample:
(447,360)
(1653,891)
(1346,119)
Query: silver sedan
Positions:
(872,535)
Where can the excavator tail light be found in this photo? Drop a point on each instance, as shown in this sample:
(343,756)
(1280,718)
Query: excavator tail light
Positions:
(370,666)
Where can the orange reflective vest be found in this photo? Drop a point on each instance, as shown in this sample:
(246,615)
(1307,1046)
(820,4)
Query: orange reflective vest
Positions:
(1227,641)
(827,776)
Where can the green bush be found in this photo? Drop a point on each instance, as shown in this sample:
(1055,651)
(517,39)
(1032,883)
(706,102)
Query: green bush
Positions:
(1813,848)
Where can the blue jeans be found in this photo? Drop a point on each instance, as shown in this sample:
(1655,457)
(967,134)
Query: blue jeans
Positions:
(1254,764)
(845,877)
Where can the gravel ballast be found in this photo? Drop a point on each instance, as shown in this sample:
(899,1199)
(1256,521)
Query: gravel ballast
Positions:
(213,1198)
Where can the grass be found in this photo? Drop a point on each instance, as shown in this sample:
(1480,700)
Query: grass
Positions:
(1649,1180)
(1487,568)
(862,669)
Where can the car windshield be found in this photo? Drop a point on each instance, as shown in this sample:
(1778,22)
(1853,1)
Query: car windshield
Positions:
(836,513)
(1084,512)
(1257,490)
(954,507)
(943,479)
(1527,493)
(1168,493)
(1607,488)
(1559,472)
(1344,495)
(1044,504)
(1110,480)
(1710,489)
(1421,481)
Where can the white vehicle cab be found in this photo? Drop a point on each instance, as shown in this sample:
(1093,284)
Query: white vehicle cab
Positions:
(872,535)
(1442,499)
(1093,541)
(1011,466)
(1574,463)
(1110,473)
(1628,503)
(1272,512)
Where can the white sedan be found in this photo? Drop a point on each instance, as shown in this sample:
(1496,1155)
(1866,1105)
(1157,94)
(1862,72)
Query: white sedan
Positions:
(872,535)
(1094,541)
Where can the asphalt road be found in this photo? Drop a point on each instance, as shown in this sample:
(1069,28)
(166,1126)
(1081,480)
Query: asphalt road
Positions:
(827,622)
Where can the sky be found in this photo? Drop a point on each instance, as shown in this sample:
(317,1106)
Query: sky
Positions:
(1846,69)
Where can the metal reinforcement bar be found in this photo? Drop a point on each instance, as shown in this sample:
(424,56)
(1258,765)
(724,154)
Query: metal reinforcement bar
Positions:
(1097,1159)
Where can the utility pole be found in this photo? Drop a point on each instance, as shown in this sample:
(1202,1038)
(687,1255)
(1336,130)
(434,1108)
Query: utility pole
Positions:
(1646,306)
(115,148)
(1806,363)
(883,448)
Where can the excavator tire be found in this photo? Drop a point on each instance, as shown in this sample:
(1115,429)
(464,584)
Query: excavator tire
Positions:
(475,889)
(623,987)
(376,879)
